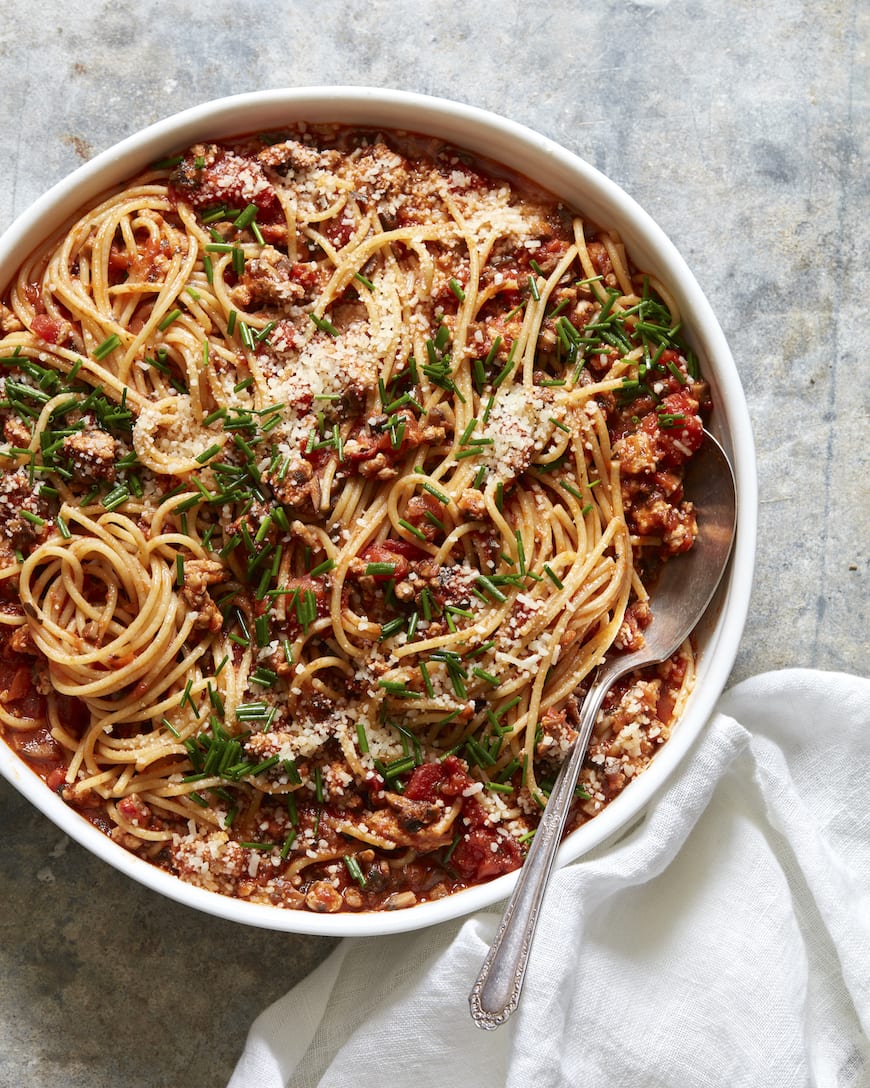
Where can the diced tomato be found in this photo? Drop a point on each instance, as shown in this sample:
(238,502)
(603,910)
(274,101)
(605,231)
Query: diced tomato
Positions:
(483,854)
(46,328)
(307,274)
(676,427)
(397,552)
(448,779)
(226,177)
(20,686)
(338,232)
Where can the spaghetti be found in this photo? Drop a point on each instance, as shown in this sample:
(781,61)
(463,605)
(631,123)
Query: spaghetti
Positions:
(335,462)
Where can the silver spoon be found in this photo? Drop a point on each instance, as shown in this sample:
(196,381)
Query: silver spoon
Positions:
(681,596)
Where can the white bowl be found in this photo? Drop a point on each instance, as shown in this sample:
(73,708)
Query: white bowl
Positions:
(599,199)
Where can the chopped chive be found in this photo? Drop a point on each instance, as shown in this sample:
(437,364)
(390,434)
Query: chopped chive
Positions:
(437,522)
(412,529)
(398,689)
(246,217)
(262,531)
(392,627)
(439,495)
(170,727)
(677,373)
(424,672)
(265,678)
(487,676)
(207,454)
(488,587)
(506,369)
(493,351)
(116,497)
(322,568)
(467,433)
(107,346)
(324,324)
(456,288)
(261,630)
(548,570)
(380,568)
(362,738)
(173,315)
(365,282)
(247,335)
(399,766)
(354,870)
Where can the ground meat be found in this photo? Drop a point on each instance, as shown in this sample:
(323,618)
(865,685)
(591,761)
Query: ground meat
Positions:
(298,486)
(17,494)
(638,616)
(293,155)
(382,178)
(9,322)
(413,815)
(636,453)
(323,898)
(557,735)
(21,641)
(272,279)
(214,862)
(472,502)
(677,526)
(199,574)
(15,432)
(91,454)
(601,262)
(134,809)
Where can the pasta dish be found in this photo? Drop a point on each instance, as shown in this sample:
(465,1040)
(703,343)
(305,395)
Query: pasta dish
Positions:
(333,463)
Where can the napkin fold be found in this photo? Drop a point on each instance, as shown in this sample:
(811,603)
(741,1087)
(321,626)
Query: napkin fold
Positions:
(725,941)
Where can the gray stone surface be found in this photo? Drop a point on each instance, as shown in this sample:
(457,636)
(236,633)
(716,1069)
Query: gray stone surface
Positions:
(741,127)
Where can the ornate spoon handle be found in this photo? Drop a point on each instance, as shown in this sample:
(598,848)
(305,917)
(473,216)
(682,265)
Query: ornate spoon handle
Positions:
(496,993)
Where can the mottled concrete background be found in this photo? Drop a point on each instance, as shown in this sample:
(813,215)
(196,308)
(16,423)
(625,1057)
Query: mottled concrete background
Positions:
(742,127)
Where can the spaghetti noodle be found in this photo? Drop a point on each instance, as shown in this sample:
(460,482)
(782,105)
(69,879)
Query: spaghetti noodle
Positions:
(335,462)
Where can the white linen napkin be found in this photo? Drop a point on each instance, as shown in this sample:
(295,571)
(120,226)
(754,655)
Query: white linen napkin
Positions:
(724,942)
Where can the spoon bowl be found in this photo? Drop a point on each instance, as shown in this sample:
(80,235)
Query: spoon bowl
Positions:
(681,596)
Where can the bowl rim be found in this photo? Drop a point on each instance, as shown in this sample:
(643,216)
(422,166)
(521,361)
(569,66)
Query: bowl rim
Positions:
(560,171)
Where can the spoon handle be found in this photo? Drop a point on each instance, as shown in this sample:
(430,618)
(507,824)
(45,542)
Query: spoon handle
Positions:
(496,993)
